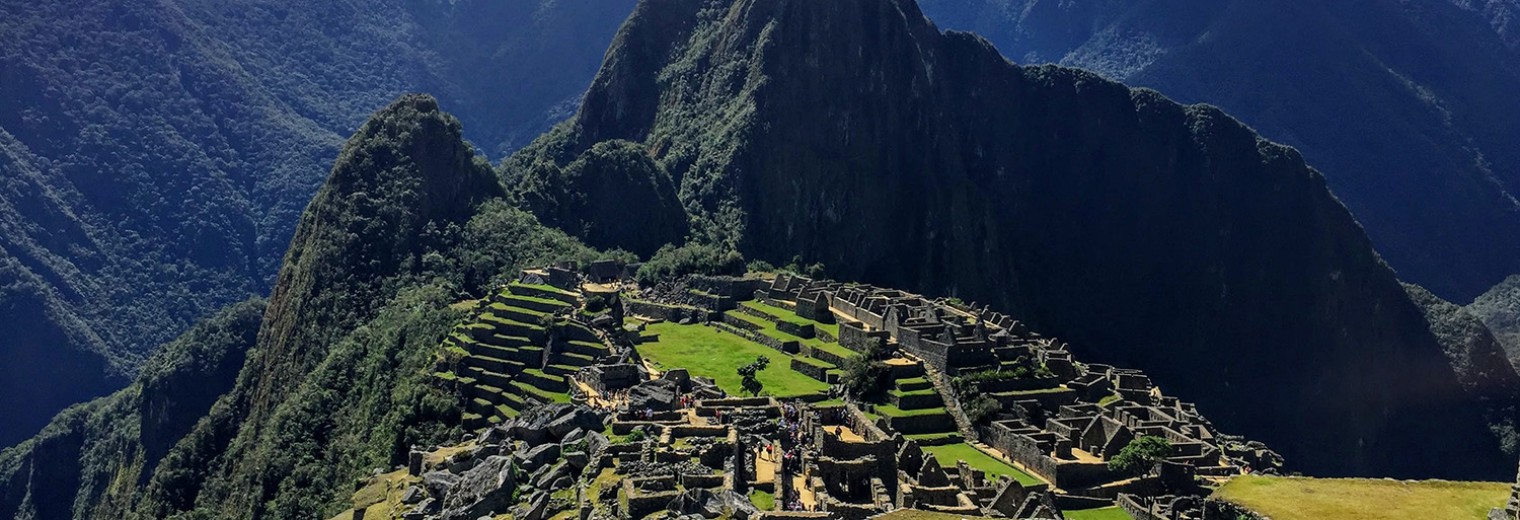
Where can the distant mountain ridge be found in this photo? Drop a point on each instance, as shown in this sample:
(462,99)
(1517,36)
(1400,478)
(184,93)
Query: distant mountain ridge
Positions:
(1407,107)
(157,154)
(1167,237)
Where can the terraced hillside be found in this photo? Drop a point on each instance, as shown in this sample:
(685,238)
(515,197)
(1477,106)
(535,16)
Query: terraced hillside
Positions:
(519,348)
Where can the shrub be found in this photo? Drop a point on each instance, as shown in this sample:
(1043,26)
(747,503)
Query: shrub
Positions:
(693,258)
(981,409)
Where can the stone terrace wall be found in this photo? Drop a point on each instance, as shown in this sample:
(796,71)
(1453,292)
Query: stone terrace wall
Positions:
(1137,510)
(789,346)
(853,337)
(660,310)
(1216,509)
(813,371)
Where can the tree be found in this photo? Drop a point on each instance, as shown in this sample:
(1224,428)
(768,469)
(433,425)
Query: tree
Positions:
(750,373)
(1140,454)
(865,377)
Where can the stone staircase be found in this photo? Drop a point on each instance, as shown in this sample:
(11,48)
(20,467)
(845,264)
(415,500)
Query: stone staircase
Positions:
(515,352)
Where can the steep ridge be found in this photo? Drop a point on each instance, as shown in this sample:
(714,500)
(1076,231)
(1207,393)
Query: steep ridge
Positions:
(409,222)
(159,153)
(1150,234)
(1405,106)
(93,457)
(1499,308)
(404,175)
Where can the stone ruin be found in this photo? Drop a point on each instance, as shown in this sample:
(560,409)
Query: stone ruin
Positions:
(680,447)
(1511,509)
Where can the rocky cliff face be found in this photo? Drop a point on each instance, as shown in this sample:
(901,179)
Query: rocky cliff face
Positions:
(1405,106)
(1147,233)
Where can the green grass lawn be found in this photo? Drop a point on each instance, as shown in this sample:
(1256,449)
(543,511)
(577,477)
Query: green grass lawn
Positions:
(763,500)
(950,453)
(786,315)
(707,352)
(893,411)
(1106,513)
(1290,498)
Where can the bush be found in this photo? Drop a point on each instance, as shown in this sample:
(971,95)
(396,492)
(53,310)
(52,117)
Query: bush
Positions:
(981,409)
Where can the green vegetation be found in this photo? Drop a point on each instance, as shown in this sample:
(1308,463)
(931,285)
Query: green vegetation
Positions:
(705,119)
(636,435)
(865,377)
(893,411)
(670,262)
(145,196)
(1296,498)
(1140,455)
(339,380)
(117,441)
(707,352)
(763,500)
(948,454)
(748,375)
(981,409)
(1104,513)
(786,315)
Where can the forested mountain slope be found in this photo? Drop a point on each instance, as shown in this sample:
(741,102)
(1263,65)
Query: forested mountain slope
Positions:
(156,154)
(1409,108)
(1147,233)
(94,457)
(409,222)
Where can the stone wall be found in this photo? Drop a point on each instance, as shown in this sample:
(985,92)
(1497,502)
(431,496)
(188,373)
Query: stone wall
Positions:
(660,310)
(814,371)
(917,401)
(804,330)
(1135,509)
(788,346)
(824,355)
(1216,509)
(852,336)
(1064,474)
(732,287)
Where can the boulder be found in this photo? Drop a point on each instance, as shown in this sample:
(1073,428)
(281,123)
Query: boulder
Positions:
(550,423)
(596,443)
(658,395)
(740,505)
(537,508)
(574,435)
(680,376)
(412,495)
(496,435)
(487,488)
(578,418)
(439,483)
(696,502)
(537,457)
(545,478)
(577,459)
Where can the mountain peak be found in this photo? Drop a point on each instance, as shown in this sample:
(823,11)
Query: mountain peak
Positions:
(1169,237)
